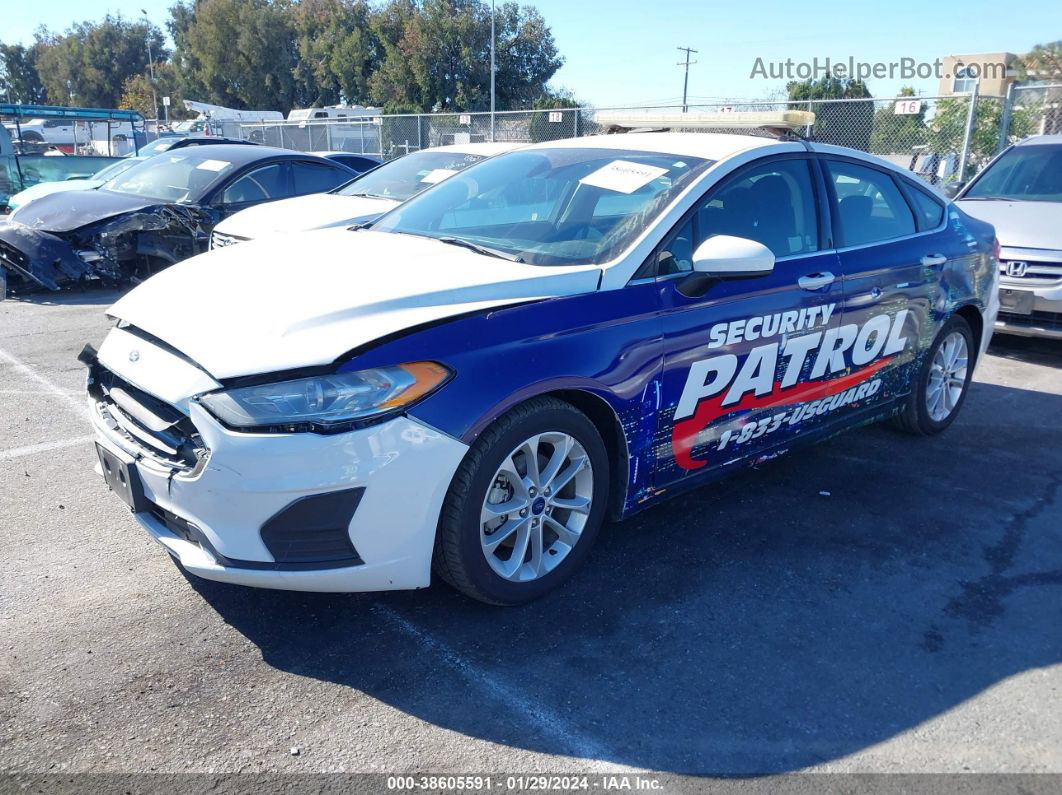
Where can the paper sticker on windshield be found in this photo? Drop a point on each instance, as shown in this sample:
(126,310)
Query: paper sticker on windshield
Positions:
(213,165)
(623,176)
(437,175)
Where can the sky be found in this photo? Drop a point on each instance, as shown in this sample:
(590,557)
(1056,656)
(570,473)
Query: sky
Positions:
(621,52)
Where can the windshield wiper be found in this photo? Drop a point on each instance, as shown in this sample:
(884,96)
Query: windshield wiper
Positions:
(369,195)
(490,252)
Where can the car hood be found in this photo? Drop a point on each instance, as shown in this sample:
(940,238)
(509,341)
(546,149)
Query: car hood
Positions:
(303,213)
(23,198)
(1020,224)
(70,210)
(306,299)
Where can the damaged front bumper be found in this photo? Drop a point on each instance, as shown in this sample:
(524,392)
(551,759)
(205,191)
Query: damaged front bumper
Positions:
(121,249)
(40,258)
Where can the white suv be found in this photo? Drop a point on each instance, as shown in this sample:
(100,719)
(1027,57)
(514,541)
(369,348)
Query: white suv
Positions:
(1020,193)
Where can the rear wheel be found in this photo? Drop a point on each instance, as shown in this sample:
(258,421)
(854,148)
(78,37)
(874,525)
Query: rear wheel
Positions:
(943,380)
(525,505)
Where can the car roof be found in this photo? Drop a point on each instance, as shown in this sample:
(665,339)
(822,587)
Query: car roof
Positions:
(485,148)
(1037,140)
(710,146)
(239,154)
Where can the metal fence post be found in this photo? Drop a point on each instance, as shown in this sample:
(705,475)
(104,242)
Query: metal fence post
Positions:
(1004,119)
(971,115)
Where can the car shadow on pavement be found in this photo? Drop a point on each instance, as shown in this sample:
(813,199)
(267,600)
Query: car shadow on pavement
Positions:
(787,617)
(82,296)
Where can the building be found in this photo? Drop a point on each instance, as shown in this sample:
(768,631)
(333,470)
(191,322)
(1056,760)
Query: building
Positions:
(991,72)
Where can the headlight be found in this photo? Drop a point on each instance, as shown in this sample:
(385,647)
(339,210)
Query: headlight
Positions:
(325,403)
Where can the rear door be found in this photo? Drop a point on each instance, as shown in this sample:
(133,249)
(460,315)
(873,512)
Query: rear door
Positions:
(738,357)
(893,248)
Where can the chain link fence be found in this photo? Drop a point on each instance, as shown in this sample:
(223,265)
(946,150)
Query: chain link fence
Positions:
(942,139)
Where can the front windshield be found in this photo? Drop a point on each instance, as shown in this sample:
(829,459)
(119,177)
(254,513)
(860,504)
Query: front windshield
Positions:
(114,169)
(1025,173)
(409,175)
(561,206)
(184,177)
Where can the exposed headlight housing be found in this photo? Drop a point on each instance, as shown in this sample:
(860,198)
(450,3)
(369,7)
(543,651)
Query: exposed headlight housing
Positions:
(326,403)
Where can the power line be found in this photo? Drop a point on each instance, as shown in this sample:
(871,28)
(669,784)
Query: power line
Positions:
(686,79)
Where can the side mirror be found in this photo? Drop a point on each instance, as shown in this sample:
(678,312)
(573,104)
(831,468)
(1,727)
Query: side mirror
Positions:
(728,257)
(951,190)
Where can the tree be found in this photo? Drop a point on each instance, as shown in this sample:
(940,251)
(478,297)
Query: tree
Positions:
(337,49)
(947,129)
(238,53)
(1042,62)
(897,133)
(136,95)
(19,78)
(436,56)
(89,63)
(841,123)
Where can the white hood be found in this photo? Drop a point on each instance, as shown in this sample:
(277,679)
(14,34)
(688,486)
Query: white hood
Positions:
(306,299)
(316,211)
(1020,224)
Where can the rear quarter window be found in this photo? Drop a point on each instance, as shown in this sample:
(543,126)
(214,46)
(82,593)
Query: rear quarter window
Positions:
(929,210)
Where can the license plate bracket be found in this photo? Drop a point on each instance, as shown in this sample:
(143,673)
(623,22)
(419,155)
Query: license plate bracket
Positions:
(122,479)
(1017,302)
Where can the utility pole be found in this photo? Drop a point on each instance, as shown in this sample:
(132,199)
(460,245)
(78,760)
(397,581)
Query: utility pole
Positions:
(686,80)
(151,66)
(492,70)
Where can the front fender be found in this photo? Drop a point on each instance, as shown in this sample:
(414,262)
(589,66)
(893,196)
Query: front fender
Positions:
(604,344)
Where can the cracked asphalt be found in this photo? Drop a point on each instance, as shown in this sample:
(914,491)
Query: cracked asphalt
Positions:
(910,621)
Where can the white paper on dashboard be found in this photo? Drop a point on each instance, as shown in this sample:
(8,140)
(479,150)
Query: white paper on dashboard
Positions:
(437,175)
(623,176)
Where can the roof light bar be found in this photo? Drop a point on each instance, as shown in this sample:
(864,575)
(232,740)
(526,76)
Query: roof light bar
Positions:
(778,119)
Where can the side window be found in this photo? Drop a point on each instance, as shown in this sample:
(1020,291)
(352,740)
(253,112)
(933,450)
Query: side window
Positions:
(261,184)
(317,177)
(870,207)
(773,204)
(929,210)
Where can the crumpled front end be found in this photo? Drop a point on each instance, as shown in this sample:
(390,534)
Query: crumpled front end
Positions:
(126,248)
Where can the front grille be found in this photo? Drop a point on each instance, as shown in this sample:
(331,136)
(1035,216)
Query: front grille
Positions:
(220,239)
(1035,272)
(153,426)
(1046,320)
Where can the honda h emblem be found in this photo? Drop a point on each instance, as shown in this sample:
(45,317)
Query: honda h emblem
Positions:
(1016,270)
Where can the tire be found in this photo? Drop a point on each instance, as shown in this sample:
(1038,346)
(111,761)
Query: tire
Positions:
(467,524)
(923,412)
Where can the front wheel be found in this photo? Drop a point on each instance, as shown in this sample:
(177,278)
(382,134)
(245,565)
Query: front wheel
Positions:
(525,505)
(942,382)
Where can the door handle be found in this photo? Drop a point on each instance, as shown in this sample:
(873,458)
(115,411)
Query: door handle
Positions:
(931,260)
(815,281)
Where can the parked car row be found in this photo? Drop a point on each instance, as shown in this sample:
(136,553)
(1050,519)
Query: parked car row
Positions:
(512,350)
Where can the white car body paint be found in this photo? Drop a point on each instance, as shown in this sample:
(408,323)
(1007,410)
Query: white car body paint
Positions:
(318,211)
(263,314)
(322,210)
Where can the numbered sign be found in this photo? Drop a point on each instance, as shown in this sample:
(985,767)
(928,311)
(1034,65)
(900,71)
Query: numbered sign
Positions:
(908,107)
(556,116)
(464,119)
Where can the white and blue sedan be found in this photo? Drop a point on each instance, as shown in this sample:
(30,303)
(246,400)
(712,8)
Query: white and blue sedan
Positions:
(554,336)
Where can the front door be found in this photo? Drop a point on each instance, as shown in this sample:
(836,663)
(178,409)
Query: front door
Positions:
(743,360)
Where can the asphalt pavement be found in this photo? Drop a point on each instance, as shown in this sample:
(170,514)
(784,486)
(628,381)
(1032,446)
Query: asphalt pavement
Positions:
(879,603)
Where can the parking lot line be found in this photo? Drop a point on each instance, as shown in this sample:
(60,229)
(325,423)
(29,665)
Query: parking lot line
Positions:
(546,720)
(43,447)
(20,366)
